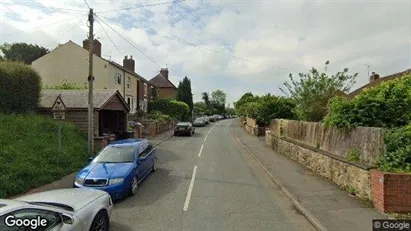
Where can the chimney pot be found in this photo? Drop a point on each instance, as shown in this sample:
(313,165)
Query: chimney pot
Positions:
(125,57)
(131,57)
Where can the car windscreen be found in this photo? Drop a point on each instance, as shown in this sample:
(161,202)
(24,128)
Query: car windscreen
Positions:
(116,154)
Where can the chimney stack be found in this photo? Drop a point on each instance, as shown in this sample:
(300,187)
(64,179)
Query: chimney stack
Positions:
(374,76)
(129,63)
(164,72)
(96,47)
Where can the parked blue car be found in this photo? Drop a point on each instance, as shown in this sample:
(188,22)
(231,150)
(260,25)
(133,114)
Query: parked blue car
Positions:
(119,168)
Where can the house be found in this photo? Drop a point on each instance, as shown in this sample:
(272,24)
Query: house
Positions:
(145,94)
(165,88)
(69,62)
(110,110)
(375,80)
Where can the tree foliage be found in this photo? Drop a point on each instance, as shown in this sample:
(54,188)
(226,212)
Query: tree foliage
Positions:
(386,105)
(22,52)
(176,109)
(264,108)
(67,85)
(206,99)
(185,95)
(19,88)
(313,90)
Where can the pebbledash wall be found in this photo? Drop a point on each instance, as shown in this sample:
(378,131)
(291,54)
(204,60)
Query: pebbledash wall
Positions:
(325,149)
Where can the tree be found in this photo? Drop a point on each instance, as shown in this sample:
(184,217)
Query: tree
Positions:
(218,99)
(314,89)
(240,105)
(22,52)
(206,99)
(185,95)
(200,108)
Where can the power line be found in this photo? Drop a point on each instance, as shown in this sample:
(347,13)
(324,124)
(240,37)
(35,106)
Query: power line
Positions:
(85,1)
(143,6)
(71,28)
(212,50)
(54,23)
(129,42)
(43,7)
(104,30)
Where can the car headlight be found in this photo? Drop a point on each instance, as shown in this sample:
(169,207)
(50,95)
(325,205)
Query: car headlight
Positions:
(110,201)
(115,181)
(79,180)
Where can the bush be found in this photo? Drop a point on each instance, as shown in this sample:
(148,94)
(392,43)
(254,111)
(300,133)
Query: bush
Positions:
(398,150)
(20,87)
(386,105)
(173,108)
(29,155)
(158,117)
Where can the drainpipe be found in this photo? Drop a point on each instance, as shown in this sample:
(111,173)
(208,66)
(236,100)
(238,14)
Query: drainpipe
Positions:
(124,85)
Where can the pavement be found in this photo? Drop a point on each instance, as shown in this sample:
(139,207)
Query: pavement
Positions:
(329,206)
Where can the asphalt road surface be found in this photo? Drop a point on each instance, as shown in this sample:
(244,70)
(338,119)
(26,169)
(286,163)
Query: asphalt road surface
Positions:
(207,182)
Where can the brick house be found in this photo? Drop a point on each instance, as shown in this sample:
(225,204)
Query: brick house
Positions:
(375,80)
(165,88)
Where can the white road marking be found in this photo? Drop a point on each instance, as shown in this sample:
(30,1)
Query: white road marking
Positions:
(205,138)
(190,190)
(201,150)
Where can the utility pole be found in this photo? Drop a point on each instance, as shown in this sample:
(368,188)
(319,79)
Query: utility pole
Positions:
(90,84)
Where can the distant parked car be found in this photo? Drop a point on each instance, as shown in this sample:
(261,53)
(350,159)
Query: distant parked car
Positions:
(119,168)
(199,122)
(62,210)
(206,119)
(185,128)
(212,118)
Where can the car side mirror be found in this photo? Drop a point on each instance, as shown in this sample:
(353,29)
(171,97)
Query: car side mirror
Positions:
(90,159)
(67,219)
(141,159)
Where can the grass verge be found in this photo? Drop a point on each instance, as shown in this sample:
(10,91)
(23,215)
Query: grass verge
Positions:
(29,155)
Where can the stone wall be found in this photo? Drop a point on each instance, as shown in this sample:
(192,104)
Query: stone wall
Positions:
(368,142)
(343,173)
(251,127)
(324,150)
(151,128)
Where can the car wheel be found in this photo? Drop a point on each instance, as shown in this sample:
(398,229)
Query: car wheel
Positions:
(155,164)
(100,222)
(133,186)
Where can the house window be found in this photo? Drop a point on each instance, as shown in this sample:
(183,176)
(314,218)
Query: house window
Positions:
(128,101)
(117,78)
(128,83)
(145,89)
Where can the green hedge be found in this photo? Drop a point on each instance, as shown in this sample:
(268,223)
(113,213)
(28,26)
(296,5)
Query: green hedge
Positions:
(175,109)
(20,88)
(386,105)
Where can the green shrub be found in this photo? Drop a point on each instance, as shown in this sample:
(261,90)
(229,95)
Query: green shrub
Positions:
(19,88)
(29,155)
(386,105)
(397,157)
(173,108)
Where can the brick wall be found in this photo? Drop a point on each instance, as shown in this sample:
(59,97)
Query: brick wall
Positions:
(391,192)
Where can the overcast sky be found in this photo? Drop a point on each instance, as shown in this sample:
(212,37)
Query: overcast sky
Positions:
(236,46)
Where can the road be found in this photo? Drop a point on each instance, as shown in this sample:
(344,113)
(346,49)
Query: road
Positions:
(207,182)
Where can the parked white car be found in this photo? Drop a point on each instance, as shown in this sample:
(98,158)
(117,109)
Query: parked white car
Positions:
(74,209)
